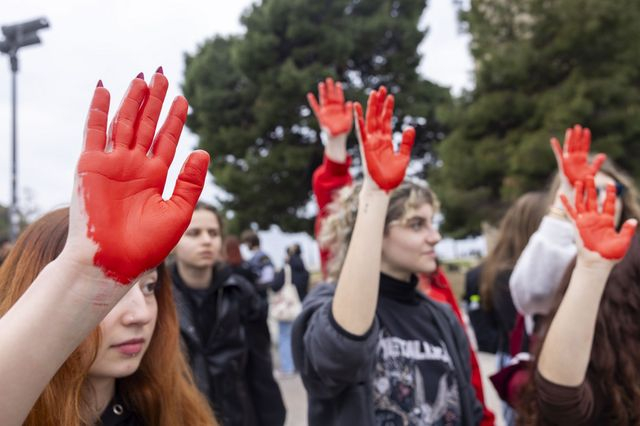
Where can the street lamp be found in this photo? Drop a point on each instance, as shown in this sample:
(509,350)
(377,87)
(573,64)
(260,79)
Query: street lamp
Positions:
(15,37)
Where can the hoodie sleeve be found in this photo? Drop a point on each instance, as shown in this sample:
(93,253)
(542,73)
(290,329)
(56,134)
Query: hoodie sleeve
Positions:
(328,357)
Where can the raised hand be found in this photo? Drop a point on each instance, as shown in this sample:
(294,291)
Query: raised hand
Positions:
(597,230)
(333,113)
(573,159)
(119,221)
(386,167)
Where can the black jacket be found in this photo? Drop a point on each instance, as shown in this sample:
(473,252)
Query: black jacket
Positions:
(221,330)
(118,414)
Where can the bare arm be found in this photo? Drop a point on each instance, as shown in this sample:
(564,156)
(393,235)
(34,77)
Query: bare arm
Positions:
(356,296)
(567,348)
(116,204)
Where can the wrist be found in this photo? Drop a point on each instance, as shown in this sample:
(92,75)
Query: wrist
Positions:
(335,147)
(593,262)
(76,270)
(371,189)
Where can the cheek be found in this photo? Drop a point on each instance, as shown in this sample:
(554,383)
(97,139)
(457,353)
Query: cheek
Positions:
(217,246)
(401,246)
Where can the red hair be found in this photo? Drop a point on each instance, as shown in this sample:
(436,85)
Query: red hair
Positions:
(161,392)
(232,250)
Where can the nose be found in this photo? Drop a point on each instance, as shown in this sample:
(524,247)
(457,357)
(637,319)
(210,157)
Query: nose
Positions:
(433,236)
(205,238)
(136,308)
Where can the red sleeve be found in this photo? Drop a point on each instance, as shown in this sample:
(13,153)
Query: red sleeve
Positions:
(327,179)
(438,288)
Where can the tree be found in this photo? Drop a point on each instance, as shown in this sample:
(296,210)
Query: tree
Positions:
(247,95)
(541,66)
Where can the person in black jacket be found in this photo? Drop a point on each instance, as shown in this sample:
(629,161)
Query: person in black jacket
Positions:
(220,318)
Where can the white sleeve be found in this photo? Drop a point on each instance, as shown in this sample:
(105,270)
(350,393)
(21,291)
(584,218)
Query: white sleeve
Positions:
(541,265)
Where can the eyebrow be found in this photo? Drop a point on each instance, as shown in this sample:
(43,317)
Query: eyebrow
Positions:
(416,218)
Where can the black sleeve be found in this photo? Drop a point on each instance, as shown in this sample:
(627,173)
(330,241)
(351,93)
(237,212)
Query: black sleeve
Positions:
(329,358)
(263,388)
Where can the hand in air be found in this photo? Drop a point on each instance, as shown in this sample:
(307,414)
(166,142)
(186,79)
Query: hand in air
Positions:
(117,205)
(333,113)
(386,167)
(573,160)
(597,229)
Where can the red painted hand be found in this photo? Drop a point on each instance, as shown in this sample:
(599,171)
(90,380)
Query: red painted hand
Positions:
(597,230)
(121,176)
(333,113)
(386,167)
(573,160)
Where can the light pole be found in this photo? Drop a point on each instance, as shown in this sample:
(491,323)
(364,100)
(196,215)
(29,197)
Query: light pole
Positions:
(15,37)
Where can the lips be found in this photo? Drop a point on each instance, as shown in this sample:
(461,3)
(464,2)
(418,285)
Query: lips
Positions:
(130,347)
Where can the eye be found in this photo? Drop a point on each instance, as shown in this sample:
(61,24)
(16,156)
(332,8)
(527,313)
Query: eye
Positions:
(213,233)
(193,232)
(416,225)
(149,288)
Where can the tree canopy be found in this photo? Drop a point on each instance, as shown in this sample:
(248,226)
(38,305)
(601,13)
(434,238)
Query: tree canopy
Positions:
(541,66)
(247,95)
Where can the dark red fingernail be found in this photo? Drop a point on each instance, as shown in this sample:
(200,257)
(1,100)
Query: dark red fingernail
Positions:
(160,70)
(140,76)
(99,84)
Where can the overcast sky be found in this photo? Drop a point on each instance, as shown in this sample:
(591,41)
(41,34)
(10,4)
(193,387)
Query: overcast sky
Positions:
(113,41)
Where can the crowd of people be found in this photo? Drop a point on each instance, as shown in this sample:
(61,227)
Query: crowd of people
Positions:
(128,309)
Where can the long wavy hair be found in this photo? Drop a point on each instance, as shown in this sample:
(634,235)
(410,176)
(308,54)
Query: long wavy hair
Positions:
(518,224)
(161,391)
(613,367)
(337,227)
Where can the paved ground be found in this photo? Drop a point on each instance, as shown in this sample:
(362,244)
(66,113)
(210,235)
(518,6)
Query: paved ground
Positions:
(295,397)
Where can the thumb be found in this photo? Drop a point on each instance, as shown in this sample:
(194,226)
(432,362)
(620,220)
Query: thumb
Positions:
(628,229)
(191,180)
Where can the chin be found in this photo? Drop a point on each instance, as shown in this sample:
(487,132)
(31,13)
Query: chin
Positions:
(126,370)
(428,267)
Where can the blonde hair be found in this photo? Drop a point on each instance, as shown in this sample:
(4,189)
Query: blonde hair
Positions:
(337,227)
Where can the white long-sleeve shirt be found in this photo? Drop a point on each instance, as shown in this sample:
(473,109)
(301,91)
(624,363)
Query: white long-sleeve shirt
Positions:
(541,266)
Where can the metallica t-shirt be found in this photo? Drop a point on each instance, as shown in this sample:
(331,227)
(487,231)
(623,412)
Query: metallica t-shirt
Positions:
(414,381)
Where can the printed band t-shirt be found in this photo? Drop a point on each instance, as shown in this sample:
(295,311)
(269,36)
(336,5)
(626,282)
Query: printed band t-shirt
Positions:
(414,381)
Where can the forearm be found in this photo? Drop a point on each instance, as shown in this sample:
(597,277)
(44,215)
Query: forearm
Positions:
(356,295)
(567,348)
(44,327)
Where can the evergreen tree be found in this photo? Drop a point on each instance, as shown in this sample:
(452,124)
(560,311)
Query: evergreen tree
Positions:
(247,95)
(541,66)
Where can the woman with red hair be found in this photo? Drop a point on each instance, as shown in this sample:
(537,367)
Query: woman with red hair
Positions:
(88,329)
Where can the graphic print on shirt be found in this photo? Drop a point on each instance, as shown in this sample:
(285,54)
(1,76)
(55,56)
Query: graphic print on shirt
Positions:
(414,383)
